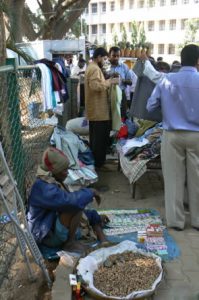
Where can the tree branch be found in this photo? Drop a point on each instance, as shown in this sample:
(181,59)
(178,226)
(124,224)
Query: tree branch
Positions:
(64,24)
(45,6)
(28,28)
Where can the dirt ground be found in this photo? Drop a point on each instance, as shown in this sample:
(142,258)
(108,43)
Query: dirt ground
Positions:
(115,191)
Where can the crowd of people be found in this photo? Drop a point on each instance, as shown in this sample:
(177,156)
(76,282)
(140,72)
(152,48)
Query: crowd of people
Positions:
(162,93)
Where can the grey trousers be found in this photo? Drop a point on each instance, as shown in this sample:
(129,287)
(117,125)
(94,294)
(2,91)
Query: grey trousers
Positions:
(180,162)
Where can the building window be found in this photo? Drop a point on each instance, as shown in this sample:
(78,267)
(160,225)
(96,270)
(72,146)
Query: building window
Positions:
(86,10)
(161,49)
(103,28)
(183,24)
(151,3)
(196,1)
(112,5)
(121,4)
(131,3)
(172,24)
(140,3)
(94,8)
(185,1)
(151,26)
(162,25)
(94,29)
(103,7)
(171,49)
(162,2)
(173,2)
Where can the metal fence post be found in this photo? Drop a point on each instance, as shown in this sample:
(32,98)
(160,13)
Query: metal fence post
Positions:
(17,156)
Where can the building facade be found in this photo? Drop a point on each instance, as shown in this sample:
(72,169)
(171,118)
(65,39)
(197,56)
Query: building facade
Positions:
(163,21)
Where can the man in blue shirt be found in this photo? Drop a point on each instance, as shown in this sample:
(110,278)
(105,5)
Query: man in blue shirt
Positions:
(119,69)
(178,96)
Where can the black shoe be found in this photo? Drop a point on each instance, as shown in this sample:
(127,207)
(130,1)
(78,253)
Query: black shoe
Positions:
(177,228)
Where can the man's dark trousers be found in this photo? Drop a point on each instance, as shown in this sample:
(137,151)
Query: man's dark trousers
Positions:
(99,135)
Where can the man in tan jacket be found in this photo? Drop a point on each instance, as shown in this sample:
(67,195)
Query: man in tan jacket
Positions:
(97,106)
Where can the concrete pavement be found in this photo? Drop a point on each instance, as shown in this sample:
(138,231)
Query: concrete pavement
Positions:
(181,276)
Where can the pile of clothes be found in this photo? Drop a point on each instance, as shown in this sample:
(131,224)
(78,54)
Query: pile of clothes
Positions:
(140,139)
(81,161)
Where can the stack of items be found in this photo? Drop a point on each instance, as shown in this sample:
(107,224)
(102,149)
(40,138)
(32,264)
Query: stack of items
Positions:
(129,221)
(142,226)
(155,241)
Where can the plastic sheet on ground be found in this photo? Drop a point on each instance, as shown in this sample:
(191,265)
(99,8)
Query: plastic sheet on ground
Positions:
(88,265)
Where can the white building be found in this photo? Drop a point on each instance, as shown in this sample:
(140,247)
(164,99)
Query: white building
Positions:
(163,21)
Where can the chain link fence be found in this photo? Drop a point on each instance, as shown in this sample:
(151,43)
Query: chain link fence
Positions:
(24,136)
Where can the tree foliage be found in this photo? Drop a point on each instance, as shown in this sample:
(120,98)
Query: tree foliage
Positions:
(191,28)
(134,34)
(53,19)
(124,37)
(142,36)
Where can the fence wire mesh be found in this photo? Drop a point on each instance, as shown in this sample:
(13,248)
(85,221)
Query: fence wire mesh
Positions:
(24,136)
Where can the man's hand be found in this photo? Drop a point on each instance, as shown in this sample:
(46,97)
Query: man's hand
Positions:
(115,80)
(96,196)
(127,81)
(104,220)
(115,75)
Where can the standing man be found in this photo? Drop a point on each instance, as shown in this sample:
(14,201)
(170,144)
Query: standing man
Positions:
(177,95)
(120,69)
(97,106)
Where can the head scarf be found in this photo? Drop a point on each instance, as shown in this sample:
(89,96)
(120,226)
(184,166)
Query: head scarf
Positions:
(54,161)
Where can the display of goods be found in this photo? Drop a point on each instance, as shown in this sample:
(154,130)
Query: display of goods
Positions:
(127,52)
(122,52)
(137,52)
(154,230)
(120,272)
(132,53)
(124,273)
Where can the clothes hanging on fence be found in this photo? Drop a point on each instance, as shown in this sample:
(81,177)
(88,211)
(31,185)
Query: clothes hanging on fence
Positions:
(46,86)
(64,70)
(54,86)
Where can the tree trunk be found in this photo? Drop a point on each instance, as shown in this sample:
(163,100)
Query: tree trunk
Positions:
(53,25)
(49,26)
(2,40)
(16,12)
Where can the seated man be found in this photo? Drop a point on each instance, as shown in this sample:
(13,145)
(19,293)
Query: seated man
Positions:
(54,214)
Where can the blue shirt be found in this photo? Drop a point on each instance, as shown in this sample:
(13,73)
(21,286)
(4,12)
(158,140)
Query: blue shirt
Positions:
(123,70)
(178,96)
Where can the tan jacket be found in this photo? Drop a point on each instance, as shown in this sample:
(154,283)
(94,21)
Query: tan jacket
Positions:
(96,94)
